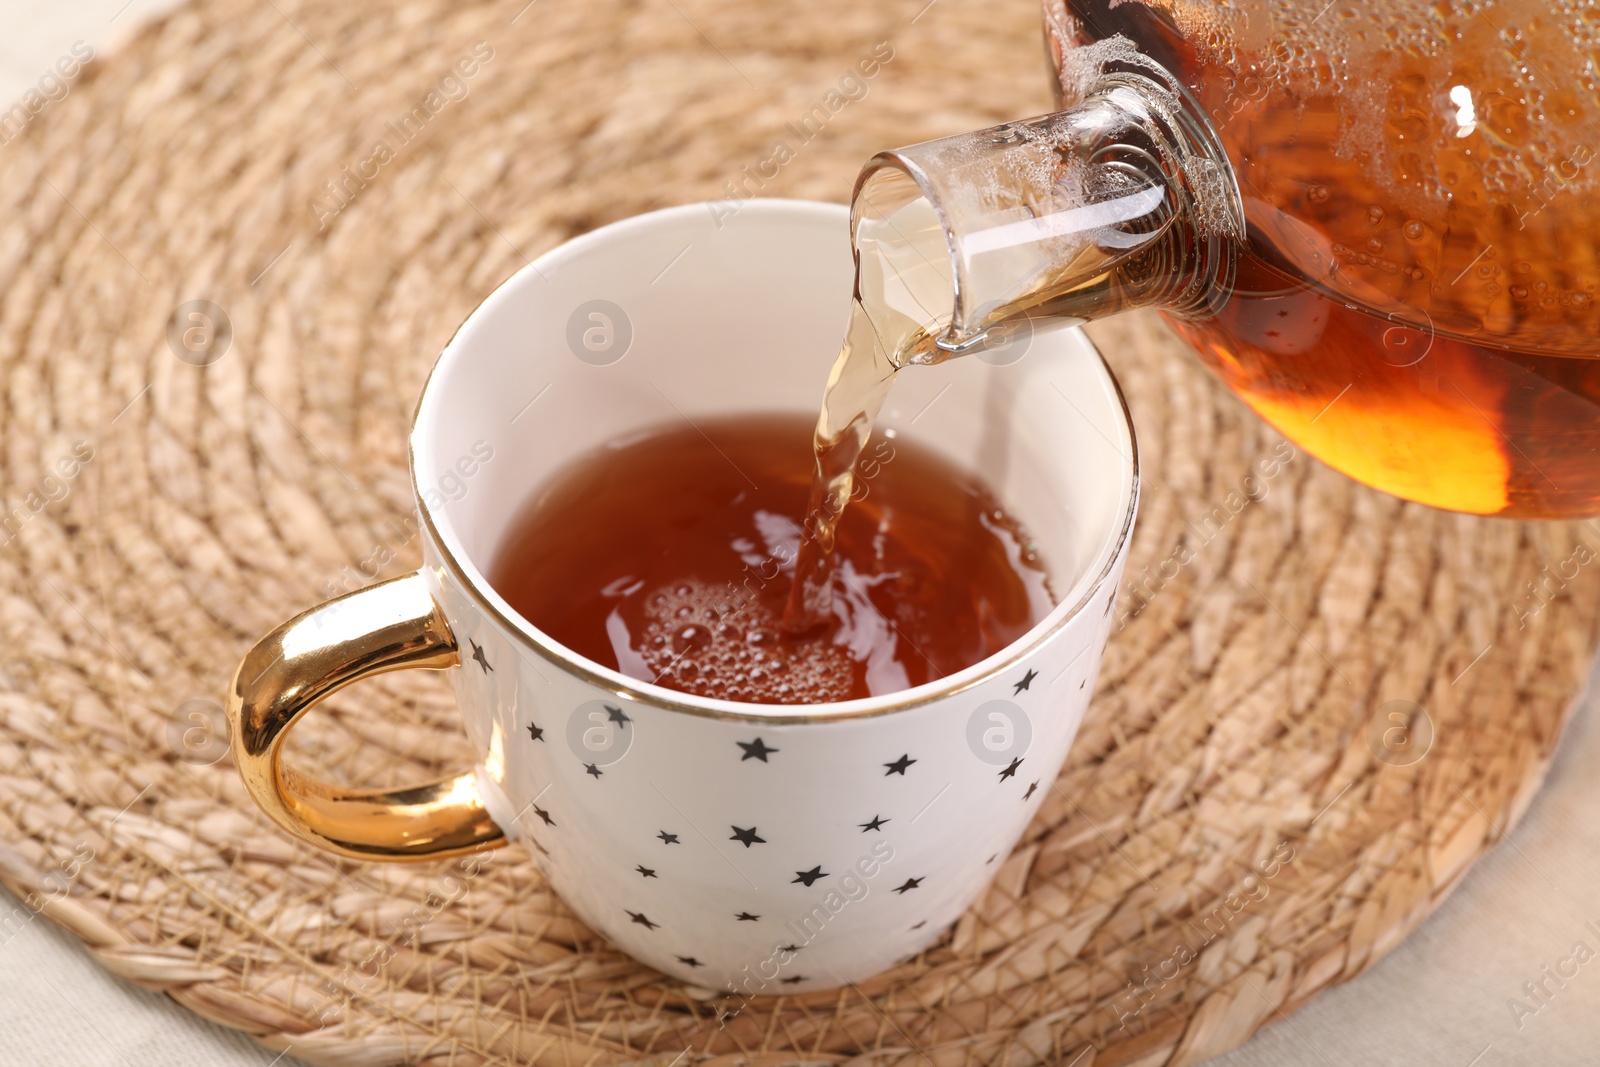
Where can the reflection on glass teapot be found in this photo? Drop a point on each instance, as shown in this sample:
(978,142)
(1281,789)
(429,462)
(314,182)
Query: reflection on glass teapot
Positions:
(1377,224)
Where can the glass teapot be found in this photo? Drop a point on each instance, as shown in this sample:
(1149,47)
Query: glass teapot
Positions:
(1371,221)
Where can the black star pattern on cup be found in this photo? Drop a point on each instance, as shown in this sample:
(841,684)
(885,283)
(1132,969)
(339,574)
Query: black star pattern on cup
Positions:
(479,657)
(898,766)
(755,750)
(1031,787)
(669,839)
(535,732)
(908,885)
(747,837)
(638,917)
(876,823)
(1082,682)
(646,871)
(690,961)
(790,948)
(1011,768)
(794,980)
(810,876)
(746,917)
(591,769)
(920,925)
(991,859)
(1027,680)
(617,716)
(545,815)
(538,846)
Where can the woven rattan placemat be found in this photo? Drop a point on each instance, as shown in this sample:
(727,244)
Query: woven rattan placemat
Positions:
(1248,816)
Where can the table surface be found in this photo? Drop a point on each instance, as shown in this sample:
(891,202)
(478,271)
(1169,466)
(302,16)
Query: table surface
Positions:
(1444,997)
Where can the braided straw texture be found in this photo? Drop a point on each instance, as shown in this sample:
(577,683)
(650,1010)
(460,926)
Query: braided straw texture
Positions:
(1241,823)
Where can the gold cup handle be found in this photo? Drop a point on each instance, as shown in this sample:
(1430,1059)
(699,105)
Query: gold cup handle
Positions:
(385,627)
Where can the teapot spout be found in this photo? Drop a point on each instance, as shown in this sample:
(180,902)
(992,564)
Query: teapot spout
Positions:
(1123,200)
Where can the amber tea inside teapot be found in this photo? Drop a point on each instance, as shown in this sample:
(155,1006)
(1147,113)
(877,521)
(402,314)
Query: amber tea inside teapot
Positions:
(1376,223)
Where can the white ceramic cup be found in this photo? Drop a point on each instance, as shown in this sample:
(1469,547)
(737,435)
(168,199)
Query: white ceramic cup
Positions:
(752,848)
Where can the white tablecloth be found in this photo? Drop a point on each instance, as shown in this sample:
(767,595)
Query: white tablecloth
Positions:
(1442,998)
